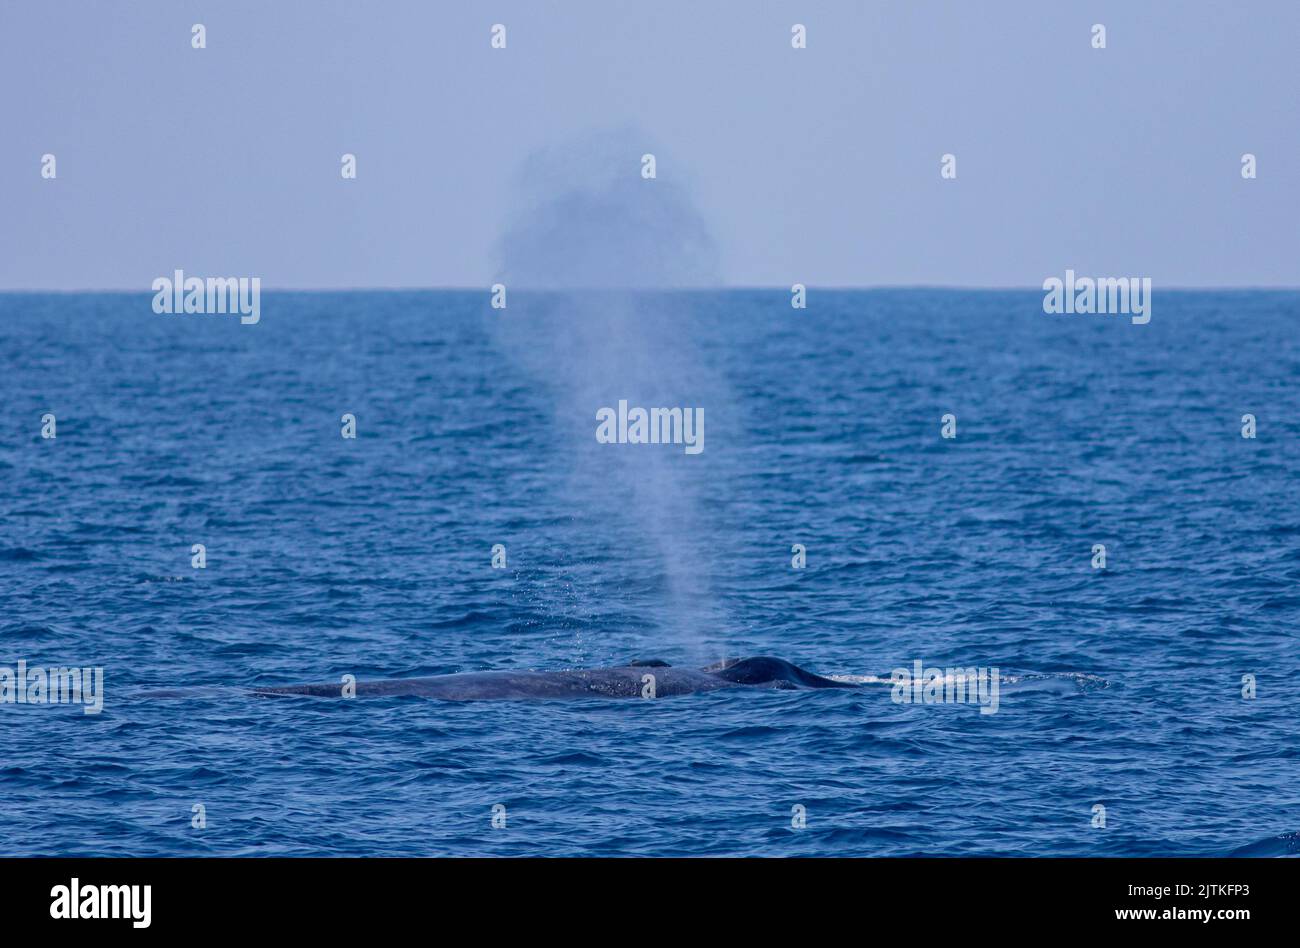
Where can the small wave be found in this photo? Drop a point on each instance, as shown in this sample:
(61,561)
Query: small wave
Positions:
(1059,682)
(575,759)
(1287,844)
(752,732)
(859,679)
(19,554)
(1082,679)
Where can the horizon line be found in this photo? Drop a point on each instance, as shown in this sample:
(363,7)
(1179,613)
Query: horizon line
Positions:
(481,288)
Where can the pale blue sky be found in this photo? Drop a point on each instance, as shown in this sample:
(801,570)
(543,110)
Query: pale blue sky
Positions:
(818,166)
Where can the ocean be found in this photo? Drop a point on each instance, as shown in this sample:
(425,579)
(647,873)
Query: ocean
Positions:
(1148,707)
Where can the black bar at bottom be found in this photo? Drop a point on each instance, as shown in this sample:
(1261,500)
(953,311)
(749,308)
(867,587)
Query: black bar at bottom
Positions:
(343,897)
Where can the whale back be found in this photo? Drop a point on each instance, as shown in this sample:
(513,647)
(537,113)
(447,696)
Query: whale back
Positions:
(765,669)
(639,678)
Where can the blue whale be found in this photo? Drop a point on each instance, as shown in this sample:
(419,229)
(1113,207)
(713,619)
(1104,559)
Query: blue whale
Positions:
(637,679)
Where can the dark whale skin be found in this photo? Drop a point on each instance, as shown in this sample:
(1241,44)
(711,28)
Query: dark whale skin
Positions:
(624,681)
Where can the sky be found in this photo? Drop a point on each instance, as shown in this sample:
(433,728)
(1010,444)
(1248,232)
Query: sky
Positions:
(817,165)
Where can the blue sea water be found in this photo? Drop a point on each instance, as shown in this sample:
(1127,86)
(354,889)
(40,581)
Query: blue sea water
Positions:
(372,557)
